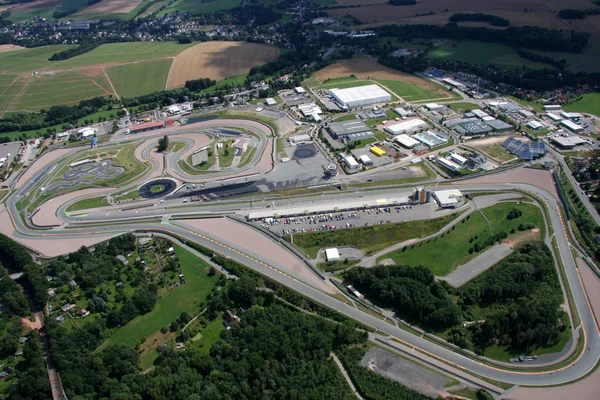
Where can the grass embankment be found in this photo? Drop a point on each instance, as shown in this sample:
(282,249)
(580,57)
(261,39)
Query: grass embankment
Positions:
(92,202)
(445,252)
(369,239)
(586,103)
(429,174)
(168,308)
(247,157)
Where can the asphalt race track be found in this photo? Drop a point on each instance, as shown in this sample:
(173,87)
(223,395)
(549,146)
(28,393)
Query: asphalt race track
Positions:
(146,192)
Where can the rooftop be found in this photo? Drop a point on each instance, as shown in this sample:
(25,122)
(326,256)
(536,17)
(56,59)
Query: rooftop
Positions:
(344,128)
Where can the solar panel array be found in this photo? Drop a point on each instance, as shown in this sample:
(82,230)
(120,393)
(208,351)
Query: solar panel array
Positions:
(523,150)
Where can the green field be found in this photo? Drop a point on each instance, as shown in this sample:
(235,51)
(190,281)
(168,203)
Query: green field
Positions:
(483,53)
(589,103)
(369,239)
(68,87)
(234,81)
(25,60)
(92,202)
(462,106)
(208,336)
(199,7)
(132,80)
(226,153)
(397,42)
(169,307)
(410,92)
(442,254)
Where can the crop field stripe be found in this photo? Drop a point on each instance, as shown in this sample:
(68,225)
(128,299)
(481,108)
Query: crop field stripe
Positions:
(132,80)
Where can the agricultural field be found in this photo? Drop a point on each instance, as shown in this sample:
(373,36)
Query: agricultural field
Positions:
(444,253)
(218,60)
(364,71)
(482,53)
(41,8)
(131,80)
(28,60)
(589,103)
(106,7)
(199,7)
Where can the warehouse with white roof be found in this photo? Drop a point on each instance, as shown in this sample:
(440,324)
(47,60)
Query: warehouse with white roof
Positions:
(408,126)
(570,125)
(360,95)
(406,141)
(450,198)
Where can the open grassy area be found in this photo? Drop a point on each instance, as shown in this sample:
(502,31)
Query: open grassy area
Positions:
(496,152)
(226,153)
(234,81)
(443,253)
(132,80)
(482,53)
(247,156)
(194,7)
(169,307)
(369,239)
(410,92)
(462,106)
(397,42)
(208,335)
(92,202)
(589,103)
(349,117)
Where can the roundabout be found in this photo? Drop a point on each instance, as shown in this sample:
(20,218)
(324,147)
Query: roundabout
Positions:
(157,188)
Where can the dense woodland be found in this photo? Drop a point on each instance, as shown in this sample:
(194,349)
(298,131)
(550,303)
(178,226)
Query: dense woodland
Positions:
(519,299)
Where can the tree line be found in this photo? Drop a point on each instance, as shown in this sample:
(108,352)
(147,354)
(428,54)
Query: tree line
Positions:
(480,17)
(578,14)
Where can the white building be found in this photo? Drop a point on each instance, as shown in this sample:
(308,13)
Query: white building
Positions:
(332,254)
(299,139)
(351,162)
(457,158)
(453,83)
(570,125)
(552,107)
(479,113)
(535,125)
(406,141)
(408,126)
(300,90)
(309,109)
(571,115)
(270,101)
(433,106)
(365,160)
(173,109)
(86,133)
(402,112)
(451,165)
(360,95)
(526,114)
(554,117)
(450,198)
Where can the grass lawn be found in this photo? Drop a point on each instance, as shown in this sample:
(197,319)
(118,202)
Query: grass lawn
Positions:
(349,117)
(442,254)
(410,92)
(25,60)
(247,156)
(589,103)
(462,106)
(469,394)
(483,53)
(198,169)
(168,308)
(232,81)
(194,7)
(369,239)
(496,151)
(209,335)
(92,202)
(132,80)
(226,153)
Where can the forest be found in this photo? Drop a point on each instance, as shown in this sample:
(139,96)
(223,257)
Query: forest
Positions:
(519,300)
(492,19)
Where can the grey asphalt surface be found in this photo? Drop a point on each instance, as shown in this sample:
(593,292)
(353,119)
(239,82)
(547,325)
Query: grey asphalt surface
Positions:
(583,365)
(478,265)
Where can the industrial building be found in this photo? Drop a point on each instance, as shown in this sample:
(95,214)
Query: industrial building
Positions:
(344,128)
(451,165)
(408,126)
(552,107)
(570,125)
(433,106)
(479,113)
(360,95)
(525,151)
(365,160)
(354,137)
(567,142)
(457,158)
(299,90)
(149,126)
(310,109)
(450,198)
(526,114)
(571,115)
(402,112)
(351,162)
(299,139)
(499,126)
(270,101)
(406,141)
(554,117)
(454,83)
(332,254)
(535,125)
(379,152)
(431,139)
(474,128)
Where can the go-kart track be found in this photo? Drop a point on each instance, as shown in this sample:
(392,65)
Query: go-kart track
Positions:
(215,224)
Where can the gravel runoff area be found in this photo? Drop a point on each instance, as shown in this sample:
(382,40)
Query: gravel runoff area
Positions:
(40,163)
(406,372)
(48,247)
(252,241)
(588,387)
(46,215)
(478,265)
(535,177)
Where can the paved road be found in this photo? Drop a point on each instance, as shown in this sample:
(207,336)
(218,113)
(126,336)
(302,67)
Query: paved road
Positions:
(478,265)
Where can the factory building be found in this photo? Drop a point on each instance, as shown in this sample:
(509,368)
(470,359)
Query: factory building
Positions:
(535,125)
(354,137)
(475,128)
(553,107)
(406,141)
(567,142)
(342,129)
(408,126)
(365,160)
(299,139)
(451,165)
(433,106)
(402,112)
(351,162)
(457,158)
(499,126)
(431,139)
(360,95)
(454,83)
(526,114)
(571,115)
(554,117)
(570,125)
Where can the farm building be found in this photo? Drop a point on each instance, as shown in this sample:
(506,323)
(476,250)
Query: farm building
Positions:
(567,142)
(360,95)
(332,254)
(365,160)
(149,126)
(299,139)
(354,137)
(449,164)
(450,198)
(570,125)
(406,141)
(554,117)
(499,126)
(351,162)
(344,128)
(408,126)
(270,101)
(431,139)
(377,151)
(535,125)
(474,128)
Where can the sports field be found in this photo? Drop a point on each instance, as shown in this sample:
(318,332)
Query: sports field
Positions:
(218,60)
(442,254)
(131,80)
(482,53)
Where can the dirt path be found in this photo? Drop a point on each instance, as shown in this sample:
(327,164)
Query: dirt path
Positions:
(111,84)
(17,96)
(345,375)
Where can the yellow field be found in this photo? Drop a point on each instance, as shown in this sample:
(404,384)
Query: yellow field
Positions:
(218,60)
(9,47)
